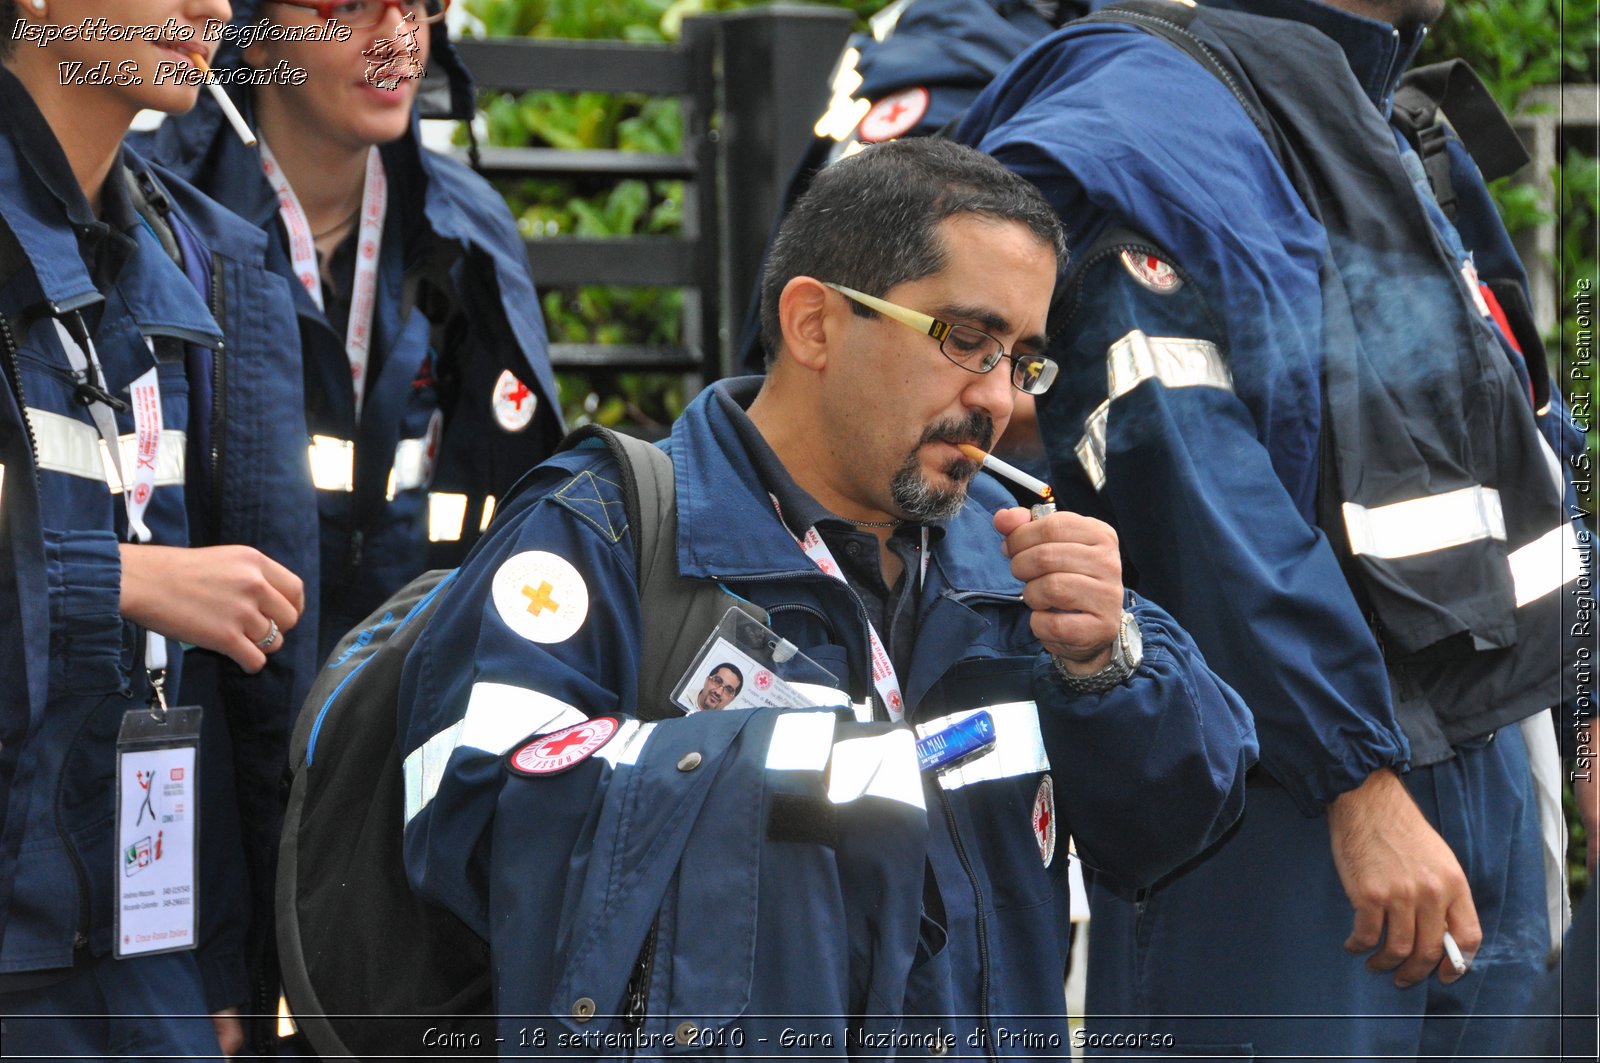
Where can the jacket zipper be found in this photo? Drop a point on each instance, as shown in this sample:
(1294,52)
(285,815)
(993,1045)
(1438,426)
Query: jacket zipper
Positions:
(637,998)
(219,407)
(982,924)
(80,933)
(1221,67)
(15,363)
(944,799)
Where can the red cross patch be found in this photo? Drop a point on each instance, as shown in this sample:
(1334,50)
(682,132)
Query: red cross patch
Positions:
(763,679)
(513,402)
(1044,820)
(893,116)
(559,751)
(1151,272)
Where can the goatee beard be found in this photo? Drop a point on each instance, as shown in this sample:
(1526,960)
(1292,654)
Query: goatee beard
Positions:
(917,499)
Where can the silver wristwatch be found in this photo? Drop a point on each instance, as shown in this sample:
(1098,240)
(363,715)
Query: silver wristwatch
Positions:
(1126,653)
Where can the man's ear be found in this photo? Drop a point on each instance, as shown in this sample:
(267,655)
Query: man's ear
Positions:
(809,321)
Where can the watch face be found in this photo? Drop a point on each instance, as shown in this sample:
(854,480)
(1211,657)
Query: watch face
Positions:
(1131,642)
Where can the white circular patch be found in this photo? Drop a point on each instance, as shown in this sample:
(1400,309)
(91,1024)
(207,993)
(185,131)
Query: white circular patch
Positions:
(893,116)
(1044,820)
(1151,272)
(540,596)
(514,402)
(559,750)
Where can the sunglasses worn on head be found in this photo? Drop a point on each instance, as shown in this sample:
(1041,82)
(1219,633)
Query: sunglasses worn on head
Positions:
(972,349)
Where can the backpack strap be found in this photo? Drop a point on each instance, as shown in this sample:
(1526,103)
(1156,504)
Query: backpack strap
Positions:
(1431,96)
(677,612)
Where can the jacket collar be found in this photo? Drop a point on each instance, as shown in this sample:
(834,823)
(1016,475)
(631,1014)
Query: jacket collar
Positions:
(43,204)
(53,223)
(728,528)
(1377,52)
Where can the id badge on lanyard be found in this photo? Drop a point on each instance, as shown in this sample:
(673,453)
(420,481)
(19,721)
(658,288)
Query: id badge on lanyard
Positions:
(158,830)
(884,679)
(369,241)
(158,806)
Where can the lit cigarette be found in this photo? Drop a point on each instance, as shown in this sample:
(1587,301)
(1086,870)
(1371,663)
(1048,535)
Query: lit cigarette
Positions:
(1010,472)
(235,119)
(1452,950)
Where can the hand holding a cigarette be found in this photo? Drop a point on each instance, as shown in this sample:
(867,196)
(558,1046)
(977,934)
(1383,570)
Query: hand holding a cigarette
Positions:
(1071,569)
(1407,888)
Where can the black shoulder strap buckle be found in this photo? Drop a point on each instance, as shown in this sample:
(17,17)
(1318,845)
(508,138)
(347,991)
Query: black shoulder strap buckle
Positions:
(1430,96)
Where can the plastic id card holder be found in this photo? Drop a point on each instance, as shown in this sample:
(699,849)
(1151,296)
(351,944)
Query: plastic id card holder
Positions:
(158,823)
(744,664)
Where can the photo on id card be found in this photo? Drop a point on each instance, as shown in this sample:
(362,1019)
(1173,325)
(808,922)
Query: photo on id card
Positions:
(743,664)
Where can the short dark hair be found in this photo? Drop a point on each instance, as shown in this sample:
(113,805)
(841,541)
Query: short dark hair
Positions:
(870,221)
(8,19)
(730,667)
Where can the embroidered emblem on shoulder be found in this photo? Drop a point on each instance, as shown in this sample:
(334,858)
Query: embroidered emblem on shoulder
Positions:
(1044,820)
(512,402)
(598,501)
(540,596)
(1151,272)
(893,116)
(563,750)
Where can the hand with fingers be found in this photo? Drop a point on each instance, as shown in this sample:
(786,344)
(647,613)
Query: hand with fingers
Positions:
(1071,571)
(1404,882)
(231,599)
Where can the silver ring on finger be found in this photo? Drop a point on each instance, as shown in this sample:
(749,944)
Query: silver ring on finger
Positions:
(271,638)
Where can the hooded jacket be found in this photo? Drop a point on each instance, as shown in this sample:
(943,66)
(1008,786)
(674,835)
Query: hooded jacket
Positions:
(1205,399)
(229,469)
(1143,776)
(412,486)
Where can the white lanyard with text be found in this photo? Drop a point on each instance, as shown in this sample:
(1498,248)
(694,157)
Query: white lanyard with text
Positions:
(884,678)
(303,257)
(146,395)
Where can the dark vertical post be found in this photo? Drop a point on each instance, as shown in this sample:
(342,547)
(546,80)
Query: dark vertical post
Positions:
(775,64)
(702,305)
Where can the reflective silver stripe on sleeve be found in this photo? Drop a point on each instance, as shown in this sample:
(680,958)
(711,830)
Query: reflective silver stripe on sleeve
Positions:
(880,766)
(70,446)
(1423,525)
(498,716)
(411,463)
(627,744)
(1018,745)
(1550,561)
(1136,358)
(333,463)
(1177,363)
(801,741)
(447,513)
(1092,447)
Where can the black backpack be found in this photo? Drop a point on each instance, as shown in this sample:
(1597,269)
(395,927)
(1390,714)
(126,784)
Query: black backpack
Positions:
(368,967)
